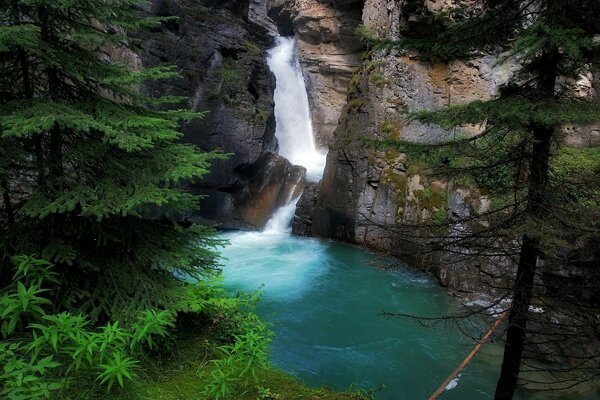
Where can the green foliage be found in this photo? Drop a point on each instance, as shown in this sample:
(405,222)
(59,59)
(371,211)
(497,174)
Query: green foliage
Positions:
(24,378)
(479,161)
(252,49)
(574,176)
(99,166)
(37,343)
(241,363)
(265,393)
(42,351)
(366,33)
(514,113)
(353,85)
(355,105)
(545,196)
(152,323)
(116,370)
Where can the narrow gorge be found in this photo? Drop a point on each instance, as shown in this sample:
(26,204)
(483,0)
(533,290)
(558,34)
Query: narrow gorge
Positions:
(325,334)
(300,199)
(337,95)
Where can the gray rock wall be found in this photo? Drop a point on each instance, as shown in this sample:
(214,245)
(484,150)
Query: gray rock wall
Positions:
(367,195)
(218,47)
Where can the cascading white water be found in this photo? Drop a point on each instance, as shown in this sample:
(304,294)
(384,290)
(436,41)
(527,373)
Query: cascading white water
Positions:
(292,113)
(279,223)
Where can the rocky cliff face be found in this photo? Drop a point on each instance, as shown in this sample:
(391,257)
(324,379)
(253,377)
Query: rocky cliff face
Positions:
(365,193)
(218,47)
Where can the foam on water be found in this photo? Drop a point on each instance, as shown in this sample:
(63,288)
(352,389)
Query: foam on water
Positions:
(283,266)
(279,223)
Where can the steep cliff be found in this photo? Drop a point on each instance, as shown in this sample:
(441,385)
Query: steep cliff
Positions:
(218,47)
(362,187)
(367,194)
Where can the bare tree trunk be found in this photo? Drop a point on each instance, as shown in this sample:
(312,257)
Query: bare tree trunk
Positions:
(536,209)
(10,214)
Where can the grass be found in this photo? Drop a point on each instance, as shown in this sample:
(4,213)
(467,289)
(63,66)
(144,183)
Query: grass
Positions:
(183,372)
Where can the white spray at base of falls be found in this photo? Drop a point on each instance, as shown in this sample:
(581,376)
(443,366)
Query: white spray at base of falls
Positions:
(279,223)
(292,113)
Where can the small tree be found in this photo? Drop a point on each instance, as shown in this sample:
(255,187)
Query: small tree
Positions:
(550,208)
(90,168)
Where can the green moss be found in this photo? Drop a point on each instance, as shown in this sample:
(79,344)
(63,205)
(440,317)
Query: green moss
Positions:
(392,128)
(434,200)
(255,114)
(464,181)
(252,49)
(400,182)
(353,86)
(355,105)
(366,32)
(373,65)
(417,167)
(387,127)
(378,79)
(401,200)
(577,170)
(576,160)
(371,158)
(441,215)
(439,199)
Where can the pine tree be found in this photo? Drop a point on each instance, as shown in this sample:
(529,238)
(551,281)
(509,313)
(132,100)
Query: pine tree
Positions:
(91,169)
(519,157)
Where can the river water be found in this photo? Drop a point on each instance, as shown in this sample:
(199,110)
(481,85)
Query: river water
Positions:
(324,300)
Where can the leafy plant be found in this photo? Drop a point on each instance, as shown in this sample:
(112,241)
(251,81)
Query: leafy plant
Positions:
(116,370)
(151,323)
(40,348)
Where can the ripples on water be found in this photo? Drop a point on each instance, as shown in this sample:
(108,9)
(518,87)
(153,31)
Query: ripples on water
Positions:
(325,301)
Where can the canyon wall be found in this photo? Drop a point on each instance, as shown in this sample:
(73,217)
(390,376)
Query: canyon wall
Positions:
(329,50)
(368,194)
(218,48)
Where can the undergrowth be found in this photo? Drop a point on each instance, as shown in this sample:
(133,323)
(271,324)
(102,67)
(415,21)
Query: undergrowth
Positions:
(209,346)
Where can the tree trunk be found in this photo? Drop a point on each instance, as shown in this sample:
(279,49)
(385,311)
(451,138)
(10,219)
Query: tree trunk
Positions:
(8,207)
(536,209)
(55,156)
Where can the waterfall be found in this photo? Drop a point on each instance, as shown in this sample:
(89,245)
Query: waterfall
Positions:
(293,125)
(292,113)
(279,223)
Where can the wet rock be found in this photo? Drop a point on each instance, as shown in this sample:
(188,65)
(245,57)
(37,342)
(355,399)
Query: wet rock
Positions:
(264,186)
(305,211)
(218,49)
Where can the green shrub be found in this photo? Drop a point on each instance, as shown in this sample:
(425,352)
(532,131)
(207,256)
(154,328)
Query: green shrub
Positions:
(40,349)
